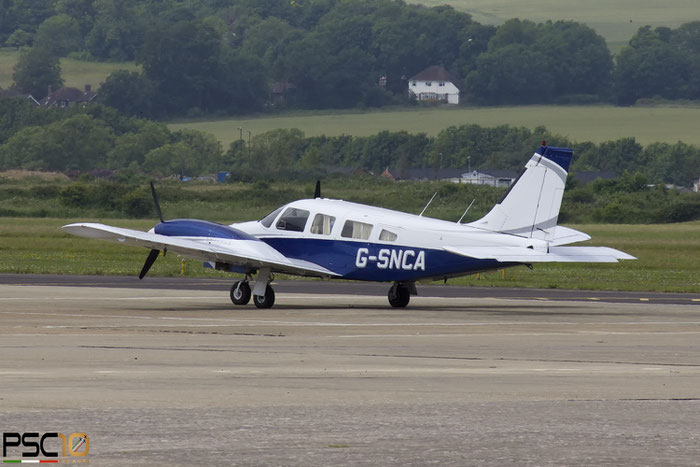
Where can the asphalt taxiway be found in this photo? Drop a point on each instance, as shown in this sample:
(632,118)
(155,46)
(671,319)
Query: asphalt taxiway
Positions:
(165,376)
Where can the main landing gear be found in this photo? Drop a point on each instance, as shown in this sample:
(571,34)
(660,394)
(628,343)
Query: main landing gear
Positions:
(240,293)
(400,293)
(263,294)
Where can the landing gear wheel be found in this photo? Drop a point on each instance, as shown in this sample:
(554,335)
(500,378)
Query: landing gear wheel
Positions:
(399,295)
(240,293)
(267,300)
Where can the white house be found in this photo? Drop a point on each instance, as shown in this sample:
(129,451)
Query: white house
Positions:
(492,177)
(434,84)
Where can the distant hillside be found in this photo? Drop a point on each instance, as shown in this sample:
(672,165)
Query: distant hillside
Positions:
(76,73)
(616,20)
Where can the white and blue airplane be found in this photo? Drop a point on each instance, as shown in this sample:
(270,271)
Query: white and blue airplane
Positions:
(336,239)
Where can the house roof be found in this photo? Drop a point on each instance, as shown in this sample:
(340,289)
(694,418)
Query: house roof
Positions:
(425,173)
(435,73)
(18,94)
(69,94)
(499,173)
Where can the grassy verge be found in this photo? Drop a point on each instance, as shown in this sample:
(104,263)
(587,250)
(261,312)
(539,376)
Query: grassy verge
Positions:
(669,257)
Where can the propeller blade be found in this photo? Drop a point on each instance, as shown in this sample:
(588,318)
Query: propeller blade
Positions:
(155,200)
(152,256)
(317,191)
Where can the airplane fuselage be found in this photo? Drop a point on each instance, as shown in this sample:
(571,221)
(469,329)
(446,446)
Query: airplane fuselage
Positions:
(389,246)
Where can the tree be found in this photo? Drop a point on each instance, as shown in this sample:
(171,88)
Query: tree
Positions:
(118,30)
(241,82)
(36,70)
(79,142)
(527,63)
(83,11)
(651,66)
(59,34)
(18,39)
(512,74)
(132,148)
(129,92)
(23,14)
(182,61)
(16,114)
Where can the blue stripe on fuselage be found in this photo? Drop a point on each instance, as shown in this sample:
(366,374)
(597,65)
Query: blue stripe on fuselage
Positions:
(378,262)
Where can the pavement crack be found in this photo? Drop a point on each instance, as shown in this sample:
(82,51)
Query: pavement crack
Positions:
(538,360)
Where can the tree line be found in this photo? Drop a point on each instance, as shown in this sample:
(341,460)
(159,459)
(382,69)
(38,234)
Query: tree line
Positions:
(98,138)
(223,56)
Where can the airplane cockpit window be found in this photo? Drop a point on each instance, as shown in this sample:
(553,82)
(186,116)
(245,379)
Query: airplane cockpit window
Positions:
(293,219)
(354,229)
(322,224)
(270,218)
(387,236)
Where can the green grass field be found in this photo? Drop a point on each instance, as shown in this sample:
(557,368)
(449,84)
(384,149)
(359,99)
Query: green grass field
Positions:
(579,123)
(75,73)
(616,20)
(669,257)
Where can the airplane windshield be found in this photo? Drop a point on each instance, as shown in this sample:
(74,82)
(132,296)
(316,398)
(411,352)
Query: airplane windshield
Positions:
(270,218)
(293,219)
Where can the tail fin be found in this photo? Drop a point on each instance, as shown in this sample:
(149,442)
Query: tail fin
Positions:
(530,208)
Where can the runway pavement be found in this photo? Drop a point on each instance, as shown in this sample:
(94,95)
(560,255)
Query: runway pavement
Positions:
(335,287)
(158,376)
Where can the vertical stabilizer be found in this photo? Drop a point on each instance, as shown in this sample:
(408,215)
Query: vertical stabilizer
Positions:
(530,208)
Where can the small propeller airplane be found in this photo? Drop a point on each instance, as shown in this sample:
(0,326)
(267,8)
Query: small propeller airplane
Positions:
(335,239)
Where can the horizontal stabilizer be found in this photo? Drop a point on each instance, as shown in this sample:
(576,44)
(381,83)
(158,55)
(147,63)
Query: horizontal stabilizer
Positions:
(240,252)
(564,236)
(570,254)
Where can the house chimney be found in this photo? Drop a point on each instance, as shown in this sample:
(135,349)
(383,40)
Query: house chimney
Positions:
(88,88)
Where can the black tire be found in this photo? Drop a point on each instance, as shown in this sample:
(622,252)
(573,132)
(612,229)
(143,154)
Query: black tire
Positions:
(240,293)
(399,295)
(267,301)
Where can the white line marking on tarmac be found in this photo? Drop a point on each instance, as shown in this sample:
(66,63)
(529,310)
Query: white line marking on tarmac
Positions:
(262,321)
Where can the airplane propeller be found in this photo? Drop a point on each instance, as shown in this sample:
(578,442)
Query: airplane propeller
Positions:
(155,200)
(153,255)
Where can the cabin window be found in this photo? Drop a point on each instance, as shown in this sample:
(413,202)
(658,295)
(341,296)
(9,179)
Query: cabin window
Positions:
(441,83)
(428,83)
(322,224)
(413,83)
(270,218)
(354,229)
(293,219)
(387,236)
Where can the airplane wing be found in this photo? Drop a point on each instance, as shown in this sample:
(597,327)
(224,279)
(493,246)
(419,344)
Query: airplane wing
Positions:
(567,254)
(251,253)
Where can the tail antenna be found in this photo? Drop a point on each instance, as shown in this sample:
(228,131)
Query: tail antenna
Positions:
(155,200)
(317,190)
(426,206)
(466,211)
